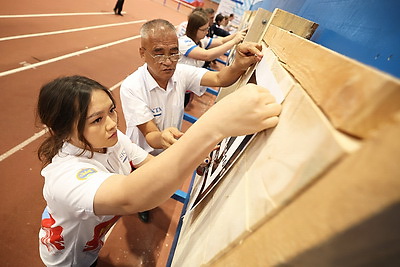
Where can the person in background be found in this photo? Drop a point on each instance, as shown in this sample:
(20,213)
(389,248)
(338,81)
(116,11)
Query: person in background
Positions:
(196,48)
(210,14)
(181,29)
(224,23)
(231,27)
(118,7)
(88,183)
(217,27)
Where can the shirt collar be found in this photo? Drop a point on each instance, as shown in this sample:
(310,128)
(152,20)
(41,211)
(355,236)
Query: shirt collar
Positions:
(70,149)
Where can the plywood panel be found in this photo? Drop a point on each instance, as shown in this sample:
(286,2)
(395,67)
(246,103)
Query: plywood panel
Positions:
(260,21)
(293,23)
(349,217)
(245,20)
(274,168)
(355,97)
(298,150)
(303,192)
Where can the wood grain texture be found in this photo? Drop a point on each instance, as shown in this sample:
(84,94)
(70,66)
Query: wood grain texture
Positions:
(349,217)
(275,167)
(355,97)
(259,21)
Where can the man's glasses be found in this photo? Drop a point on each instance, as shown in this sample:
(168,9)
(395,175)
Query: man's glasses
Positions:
(163,58)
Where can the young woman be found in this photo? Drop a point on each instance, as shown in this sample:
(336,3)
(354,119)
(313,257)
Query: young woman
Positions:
(87,162)
(196,48)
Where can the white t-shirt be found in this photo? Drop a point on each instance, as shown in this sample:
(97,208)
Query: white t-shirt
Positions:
(71,234)
(186,45)
(181,29)
(144,100)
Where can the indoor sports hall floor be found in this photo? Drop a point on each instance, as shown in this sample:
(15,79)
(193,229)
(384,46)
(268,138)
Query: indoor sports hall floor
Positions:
(39,41)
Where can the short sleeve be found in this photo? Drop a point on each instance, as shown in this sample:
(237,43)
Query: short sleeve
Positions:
(134,152)
(192,76)
(134,105)
(72,187)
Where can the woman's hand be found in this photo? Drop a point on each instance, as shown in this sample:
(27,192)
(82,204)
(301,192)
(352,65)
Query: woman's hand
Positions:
(249,109)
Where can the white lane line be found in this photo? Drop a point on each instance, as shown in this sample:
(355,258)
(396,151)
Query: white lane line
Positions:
(36,136)
(32,66)
(23,144)
(57,15)
(69,30)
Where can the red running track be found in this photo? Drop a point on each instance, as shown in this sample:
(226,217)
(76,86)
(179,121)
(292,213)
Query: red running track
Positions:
(37,49)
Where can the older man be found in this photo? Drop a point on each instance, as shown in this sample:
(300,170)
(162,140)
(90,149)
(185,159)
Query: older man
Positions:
(152,97)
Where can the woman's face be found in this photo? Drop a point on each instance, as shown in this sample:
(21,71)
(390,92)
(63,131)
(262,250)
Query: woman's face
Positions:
(101,122)
(202,31)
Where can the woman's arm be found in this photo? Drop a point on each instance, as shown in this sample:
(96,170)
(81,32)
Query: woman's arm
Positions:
(216,49)
(247,110)
(221,40)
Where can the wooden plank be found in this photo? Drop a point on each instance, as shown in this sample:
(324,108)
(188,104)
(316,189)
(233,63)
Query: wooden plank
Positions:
(350,216)
(274,168)
(245,20)
(259,22)
(259,25)
(293,23)
(355,97)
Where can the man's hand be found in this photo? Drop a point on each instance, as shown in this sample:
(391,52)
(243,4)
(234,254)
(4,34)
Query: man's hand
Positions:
(247,54)
(169,136)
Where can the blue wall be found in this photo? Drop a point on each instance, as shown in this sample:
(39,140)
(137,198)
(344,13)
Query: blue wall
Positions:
(366,30)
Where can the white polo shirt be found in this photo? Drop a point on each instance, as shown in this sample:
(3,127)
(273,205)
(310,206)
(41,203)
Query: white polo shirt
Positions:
(143,100)
(71,234)
(186,45)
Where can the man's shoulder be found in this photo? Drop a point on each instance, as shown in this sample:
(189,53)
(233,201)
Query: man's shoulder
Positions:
(189,71)
(184,68)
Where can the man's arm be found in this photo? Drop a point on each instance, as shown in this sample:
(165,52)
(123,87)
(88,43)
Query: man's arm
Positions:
(247,54)
(159,139)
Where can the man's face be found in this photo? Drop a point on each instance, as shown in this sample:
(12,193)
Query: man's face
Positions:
(211,19)
(160,43)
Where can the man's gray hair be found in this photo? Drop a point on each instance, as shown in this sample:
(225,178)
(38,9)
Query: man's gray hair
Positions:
(154,25)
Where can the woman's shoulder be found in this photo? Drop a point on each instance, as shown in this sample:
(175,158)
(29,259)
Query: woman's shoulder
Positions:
(68,164)
(185,39)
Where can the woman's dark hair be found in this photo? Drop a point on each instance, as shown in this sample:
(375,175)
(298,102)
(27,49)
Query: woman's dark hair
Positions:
(195,21)
(62,105)
(219,18)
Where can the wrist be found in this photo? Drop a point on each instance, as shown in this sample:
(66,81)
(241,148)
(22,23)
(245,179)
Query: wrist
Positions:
(237,68)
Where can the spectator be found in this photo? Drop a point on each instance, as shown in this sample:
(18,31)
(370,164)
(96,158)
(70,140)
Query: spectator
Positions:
(196,48)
